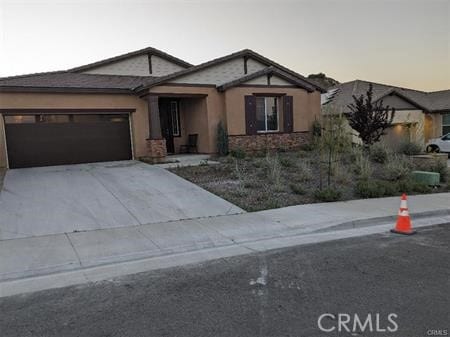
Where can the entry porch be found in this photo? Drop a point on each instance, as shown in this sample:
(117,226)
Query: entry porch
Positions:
(173,119)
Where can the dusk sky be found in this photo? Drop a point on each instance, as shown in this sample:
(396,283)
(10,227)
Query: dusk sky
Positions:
(398,42)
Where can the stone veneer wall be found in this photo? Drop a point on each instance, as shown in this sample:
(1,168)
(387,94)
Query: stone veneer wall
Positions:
(271,141)
(157,149)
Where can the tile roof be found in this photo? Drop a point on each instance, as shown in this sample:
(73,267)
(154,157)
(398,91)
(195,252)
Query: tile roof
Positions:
(428,101)
(69,80)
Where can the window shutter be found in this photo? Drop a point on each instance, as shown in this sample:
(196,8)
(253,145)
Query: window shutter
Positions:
(288,114)
(250,115)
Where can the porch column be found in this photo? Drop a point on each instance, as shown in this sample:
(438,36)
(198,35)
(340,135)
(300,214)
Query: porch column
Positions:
(153,118)
(156,143)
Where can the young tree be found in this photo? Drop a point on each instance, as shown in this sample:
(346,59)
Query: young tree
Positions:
(369,119)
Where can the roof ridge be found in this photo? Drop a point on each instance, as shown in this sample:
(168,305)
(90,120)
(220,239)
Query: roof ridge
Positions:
(392,86)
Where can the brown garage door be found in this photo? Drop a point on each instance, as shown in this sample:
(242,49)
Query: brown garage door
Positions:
(57,139)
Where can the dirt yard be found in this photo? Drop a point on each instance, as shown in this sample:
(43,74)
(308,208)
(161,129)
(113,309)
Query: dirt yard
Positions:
(292,178)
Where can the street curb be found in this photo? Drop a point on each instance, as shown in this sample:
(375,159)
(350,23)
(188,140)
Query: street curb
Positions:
(391,218)
(114,270)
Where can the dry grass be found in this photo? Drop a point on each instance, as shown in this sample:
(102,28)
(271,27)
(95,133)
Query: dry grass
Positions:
(284,179)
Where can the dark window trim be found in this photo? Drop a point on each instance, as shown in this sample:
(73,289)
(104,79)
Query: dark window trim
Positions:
(278,102)
(52,111)
(178,118)
(245,64)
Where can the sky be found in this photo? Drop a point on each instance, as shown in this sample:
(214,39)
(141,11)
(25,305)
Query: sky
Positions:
(398,42)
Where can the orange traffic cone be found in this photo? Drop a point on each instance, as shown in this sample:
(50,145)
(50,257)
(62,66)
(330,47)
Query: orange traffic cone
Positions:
(403,225)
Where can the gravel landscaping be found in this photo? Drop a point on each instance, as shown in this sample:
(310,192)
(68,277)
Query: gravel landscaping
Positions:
(265,181)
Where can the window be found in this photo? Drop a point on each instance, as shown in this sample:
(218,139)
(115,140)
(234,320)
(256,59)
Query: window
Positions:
(99,118)
(267,114)
(445,124)
(22,119)
(175,115)
(52,118)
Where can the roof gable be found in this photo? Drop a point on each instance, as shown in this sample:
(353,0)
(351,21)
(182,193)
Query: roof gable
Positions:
(240,56)
(136,60)
(342,95)
(273,74)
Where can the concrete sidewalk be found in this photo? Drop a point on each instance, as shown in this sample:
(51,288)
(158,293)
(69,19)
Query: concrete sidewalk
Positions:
(214,237)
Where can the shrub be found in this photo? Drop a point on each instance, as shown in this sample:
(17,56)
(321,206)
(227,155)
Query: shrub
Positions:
(304,172)
(438,166)
(297,189)
(398,167)
(328,194)
(375,189)
(316,129)
(274,169)
(363,167)
(307,147)
(409,185)
(222,140)
(379,153)
(369,189)
(238,153)
(410,148)
(287,162)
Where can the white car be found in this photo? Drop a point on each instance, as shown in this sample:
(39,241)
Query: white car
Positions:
(441,144)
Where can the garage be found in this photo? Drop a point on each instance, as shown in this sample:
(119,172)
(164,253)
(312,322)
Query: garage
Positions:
(66,137)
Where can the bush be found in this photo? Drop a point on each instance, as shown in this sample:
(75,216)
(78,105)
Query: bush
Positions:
(379,153)
(287,162)
(307,147)
(369,189)
(363,167)
(238,153)
(438,166)
(410,148)
(397,168)
(273,169)
(222,140)
(316,129)
(409,186)
(304,172)
(328,194)
(297,189)
(374,189)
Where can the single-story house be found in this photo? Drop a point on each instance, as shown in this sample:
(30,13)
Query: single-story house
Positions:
(146,104)
(419,115)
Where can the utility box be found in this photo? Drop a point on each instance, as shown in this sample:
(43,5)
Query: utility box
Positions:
(427,178)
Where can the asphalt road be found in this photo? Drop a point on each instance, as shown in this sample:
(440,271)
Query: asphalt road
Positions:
(278,293)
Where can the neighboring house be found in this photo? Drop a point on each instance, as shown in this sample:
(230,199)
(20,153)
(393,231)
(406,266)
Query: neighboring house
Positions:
(419,115)
(146,103)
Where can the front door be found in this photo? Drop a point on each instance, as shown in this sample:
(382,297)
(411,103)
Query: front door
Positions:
(169,116)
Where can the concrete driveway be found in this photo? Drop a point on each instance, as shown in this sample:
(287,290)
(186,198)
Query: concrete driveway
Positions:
(64,199)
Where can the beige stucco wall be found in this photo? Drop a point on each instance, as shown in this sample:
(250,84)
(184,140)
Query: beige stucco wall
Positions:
(139,119)
(306,107)
(423,126)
